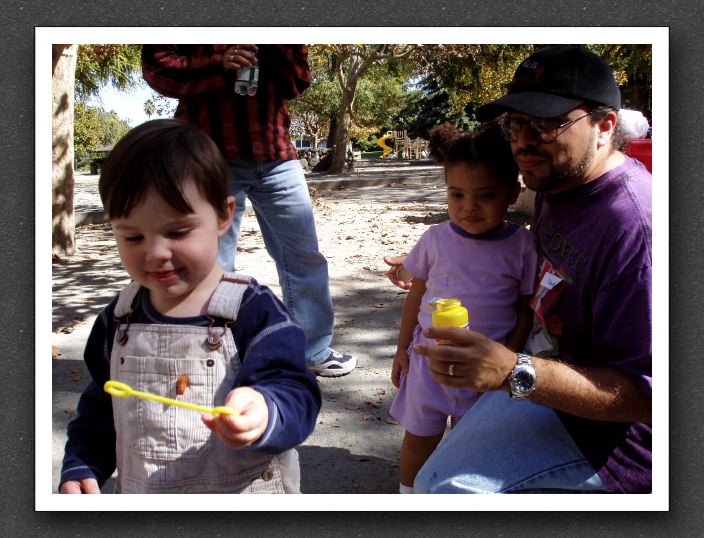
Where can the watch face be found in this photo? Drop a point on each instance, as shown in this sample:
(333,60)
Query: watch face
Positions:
(523,379)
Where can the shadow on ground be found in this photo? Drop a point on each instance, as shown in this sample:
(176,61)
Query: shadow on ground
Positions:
(336,470)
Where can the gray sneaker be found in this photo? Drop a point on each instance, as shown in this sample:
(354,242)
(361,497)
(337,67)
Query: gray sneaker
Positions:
(335,365)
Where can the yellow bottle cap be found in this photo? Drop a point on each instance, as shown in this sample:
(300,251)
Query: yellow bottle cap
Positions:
(449,313)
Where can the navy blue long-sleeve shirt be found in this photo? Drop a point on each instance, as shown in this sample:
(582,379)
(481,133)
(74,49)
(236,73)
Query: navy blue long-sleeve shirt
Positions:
(272,353)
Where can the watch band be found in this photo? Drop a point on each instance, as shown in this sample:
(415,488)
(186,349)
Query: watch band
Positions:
(522,358)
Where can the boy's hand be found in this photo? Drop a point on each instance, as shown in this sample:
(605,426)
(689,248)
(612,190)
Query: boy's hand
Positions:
(400,365)
(80,485)
(238,431)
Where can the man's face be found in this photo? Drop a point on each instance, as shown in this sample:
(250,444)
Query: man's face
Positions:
(561,164)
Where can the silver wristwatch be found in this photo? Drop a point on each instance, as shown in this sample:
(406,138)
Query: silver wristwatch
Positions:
(522,377)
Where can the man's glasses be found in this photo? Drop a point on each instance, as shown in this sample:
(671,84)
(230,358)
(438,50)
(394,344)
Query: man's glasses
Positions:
(546,129)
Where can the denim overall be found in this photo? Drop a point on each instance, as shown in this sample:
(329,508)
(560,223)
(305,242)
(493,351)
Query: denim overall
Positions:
(167,449)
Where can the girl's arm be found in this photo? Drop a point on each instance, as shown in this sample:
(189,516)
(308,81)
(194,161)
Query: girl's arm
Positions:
(516,339)
(409,320)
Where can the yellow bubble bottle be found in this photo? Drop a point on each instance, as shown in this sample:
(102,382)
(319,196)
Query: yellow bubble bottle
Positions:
(449,313)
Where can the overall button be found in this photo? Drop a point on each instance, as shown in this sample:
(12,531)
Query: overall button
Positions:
(268,474)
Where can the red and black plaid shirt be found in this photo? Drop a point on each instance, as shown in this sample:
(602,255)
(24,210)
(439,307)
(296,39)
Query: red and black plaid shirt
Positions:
(244,127)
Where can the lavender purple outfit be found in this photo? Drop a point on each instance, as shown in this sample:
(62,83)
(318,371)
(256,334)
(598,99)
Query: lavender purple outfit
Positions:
(593,309)
(487,273)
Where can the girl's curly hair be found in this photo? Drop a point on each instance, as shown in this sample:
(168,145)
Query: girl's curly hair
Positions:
(486,146)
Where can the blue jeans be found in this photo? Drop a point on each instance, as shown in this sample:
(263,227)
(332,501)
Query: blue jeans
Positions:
(279,195)
(505,446)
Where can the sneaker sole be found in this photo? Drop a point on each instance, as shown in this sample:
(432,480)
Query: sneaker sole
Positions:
(332,373)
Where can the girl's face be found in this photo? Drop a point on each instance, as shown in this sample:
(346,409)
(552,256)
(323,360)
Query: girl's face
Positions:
(477,199)
(173,255)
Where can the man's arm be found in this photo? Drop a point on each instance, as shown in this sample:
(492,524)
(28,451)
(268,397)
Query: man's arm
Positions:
(596,393)
(288,66)
(176,72)
(482,364)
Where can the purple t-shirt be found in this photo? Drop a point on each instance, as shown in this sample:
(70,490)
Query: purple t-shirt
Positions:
(593,305)
(486,272)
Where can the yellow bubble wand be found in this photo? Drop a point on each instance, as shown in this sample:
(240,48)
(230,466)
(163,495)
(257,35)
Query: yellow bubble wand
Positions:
(123,390)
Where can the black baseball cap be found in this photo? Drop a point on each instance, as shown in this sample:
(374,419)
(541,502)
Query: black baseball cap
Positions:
(553,81)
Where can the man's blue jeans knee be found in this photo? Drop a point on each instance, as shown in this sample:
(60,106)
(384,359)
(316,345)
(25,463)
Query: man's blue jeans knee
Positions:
(279,195)
(506,446)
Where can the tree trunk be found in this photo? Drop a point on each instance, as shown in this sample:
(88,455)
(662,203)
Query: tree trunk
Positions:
(62,181)
(331,131)
(342,132)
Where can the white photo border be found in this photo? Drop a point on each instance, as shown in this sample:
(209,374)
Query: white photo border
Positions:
(46,498)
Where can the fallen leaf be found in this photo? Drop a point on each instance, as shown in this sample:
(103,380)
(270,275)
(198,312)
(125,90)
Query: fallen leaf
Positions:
(55,352)
(379,305)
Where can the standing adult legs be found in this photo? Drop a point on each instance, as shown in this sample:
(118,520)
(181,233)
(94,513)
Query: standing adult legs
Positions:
(227,246)
(279,195)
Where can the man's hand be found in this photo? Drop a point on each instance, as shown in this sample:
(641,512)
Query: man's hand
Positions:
(239,56)
(474,361)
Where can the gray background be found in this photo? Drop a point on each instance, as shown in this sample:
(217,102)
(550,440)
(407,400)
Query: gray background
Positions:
(17,250)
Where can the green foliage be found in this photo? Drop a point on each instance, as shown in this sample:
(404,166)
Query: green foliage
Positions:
(164,107)
(432,104)
(380,96)
(111,127)
(98,65)
(366,144)
(86,134)
(149,108)
(471,73)
(93,128)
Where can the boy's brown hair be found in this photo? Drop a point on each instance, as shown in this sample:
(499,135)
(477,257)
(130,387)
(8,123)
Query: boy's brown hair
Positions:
(161,155)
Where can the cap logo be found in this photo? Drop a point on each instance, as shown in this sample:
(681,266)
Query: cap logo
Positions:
(530,73)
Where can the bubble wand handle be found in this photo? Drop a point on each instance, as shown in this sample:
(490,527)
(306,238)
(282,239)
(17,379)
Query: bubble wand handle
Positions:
(123,390)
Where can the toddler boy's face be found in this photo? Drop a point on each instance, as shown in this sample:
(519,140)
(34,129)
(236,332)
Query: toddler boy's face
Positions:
(171,254)
(477,199)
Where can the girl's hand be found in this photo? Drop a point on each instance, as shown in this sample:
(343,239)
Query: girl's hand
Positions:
(398,275)
(239,56)
(400,365)
(80,485)
(239,431)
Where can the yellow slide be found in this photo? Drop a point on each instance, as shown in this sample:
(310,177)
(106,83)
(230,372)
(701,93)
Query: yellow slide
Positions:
(381,142)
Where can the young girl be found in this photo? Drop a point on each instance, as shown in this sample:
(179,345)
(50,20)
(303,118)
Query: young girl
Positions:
(477,257)
(185,330)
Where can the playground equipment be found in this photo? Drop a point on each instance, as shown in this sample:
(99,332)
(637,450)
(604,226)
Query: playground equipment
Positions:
(407,148)
(382,143)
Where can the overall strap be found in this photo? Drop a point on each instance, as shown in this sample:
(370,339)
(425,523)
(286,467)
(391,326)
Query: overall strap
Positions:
(126,298)
(227,297)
